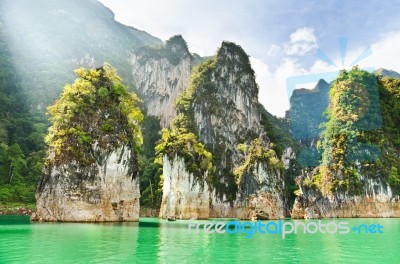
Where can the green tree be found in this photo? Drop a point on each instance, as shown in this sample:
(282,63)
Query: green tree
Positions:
(21,136)
(97,95)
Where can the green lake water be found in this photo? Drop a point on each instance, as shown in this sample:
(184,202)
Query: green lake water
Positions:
(158,241)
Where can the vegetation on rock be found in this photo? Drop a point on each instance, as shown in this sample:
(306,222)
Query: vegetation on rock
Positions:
(178,140)
(360,136)
(95,110)
(214,87)
(256,153)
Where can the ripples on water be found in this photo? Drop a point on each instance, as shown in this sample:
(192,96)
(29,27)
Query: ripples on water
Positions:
(155,241)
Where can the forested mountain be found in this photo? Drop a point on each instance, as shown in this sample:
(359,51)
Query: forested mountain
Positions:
(218,159)
(50,39)
(21,135)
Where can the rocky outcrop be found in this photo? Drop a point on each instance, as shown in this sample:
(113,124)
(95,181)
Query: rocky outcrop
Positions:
(288,155)
(91,170)
(264,201)
(356,173)
(183,196)
(376,200)
(105,191)
(160,74)
(221,104)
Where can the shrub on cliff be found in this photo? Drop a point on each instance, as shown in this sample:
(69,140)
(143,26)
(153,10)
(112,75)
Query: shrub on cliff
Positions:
(95,109)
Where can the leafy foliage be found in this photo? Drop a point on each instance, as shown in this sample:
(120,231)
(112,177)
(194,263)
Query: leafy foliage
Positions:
(278,131)
(254,154)
(21,137)
(389,138)
(353,100)
(97,95)
(151,184)
(178,140)
(360,136)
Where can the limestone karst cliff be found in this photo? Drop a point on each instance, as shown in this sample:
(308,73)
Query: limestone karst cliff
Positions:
(91,171)
(160,74)
(220,112)
(357,171)
(375,199)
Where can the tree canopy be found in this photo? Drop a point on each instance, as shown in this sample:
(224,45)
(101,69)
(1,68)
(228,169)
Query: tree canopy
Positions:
(95,109)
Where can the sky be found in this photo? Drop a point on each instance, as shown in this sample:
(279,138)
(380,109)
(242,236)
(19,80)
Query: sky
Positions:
(285,39)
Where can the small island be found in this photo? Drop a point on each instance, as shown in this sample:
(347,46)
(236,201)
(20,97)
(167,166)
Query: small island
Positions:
(91,170)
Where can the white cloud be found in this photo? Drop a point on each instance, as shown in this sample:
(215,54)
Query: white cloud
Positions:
(203,24)
(304,34)
(385,53)
(301,42)
(273,89)
(273,93)
(274,50)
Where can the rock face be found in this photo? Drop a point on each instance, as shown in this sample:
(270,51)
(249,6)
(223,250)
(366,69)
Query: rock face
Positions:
(288,155)
(160,75)
(377,200)
(356,174)
(222,104)
(183,195)
(91,171)
(264,197)
(105,191)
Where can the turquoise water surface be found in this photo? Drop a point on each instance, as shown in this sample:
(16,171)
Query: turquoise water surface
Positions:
(158,241)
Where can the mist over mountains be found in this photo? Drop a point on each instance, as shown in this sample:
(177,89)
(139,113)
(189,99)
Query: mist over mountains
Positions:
(49,39)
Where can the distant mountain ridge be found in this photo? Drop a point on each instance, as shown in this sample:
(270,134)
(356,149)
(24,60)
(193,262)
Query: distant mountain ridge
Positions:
(387,73)
(306,108)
